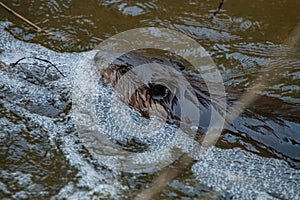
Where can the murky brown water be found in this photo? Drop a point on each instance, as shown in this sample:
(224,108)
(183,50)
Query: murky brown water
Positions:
(241,39)
(93,21)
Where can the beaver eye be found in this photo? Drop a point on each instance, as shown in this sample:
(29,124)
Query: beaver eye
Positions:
(158,91)
(123,69)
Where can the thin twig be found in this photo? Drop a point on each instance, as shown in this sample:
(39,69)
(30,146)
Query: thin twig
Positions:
(34,25)
(219,7)
(261,84)
(20,17)
(41,59)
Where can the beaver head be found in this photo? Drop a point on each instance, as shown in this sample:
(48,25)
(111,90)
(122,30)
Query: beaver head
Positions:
(149,98)
(153,97)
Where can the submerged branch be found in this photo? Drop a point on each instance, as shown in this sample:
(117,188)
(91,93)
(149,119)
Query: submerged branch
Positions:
(41,59)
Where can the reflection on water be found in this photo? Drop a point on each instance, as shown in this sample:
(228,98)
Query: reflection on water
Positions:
(90,22)
(41,155)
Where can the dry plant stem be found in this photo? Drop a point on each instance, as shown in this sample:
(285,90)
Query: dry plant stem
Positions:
(165,177)
(169,173)
(251,95)
(20,17)
(39,29)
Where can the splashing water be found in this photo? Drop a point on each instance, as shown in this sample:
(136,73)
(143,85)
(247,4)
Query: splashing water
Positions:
(44,157)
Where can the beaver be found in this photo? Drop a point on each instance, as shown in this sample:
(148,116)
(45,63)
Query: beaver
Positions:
(153,96)
(258,129)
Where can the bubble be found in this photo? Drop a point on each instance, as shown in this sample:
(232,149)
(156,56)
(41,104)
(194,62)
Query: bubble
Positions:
(112,122)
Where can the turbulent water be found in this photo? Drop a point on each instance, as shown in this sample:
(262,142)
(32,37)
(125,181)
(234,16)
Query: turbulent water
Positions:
(57,141)
(43,153)
(40,157)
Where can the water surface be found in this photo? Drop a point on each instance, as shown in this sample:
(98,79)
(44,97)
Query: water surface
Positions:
(41,154)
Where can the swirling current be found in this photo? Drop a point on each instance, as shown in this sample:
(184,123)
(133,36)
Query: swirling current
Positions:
(43,156)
